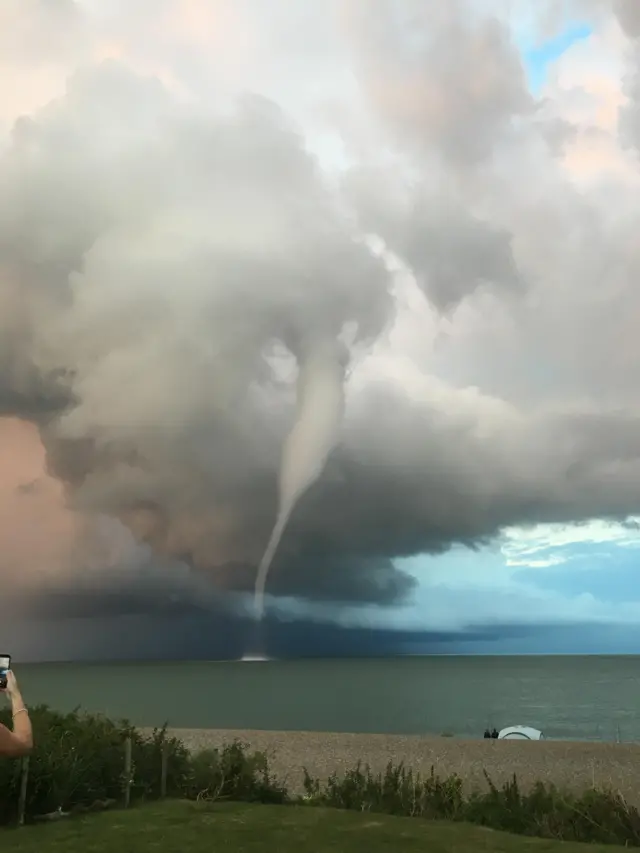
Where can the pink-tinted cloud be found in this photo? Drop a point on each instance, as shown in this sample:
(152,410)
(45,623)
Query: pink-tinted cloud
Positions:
(38,534)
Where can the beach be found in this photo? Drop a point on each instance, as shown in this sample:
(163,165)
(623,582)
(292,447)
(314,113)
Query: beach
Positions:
(569,765)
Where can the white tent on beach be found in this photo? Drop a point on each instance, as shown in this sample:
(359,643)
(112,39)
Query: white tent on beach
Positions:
(520,733)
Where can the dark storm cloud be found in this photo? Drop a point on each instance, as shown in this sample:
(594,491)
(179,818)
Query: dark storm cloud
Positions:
(463,480)
(160,253)
(175,634)
(338,578)
(75,603)
(146,591)
(570,639)
(219,634)
(32,406)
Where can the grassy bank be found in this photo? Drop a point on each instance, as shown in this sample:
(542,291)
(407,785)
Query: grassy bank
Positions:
(174,827)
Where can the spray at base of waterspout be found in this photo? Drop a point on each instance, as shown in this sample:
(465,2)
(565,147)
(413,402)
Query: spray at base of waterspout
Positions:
(256,646)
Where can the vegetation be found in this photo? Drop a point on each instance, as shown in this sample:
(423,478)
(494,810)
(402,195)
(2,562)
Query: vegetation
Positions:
(176,826)
(79,765)
(594,816)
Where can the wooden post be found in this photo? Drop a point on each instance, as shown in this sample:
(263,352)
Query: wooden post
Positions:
(22,800)
(127,771)
(164,767)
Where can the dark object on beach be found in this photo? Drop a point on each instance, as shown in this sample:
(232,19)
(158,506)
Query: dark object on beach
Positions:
(487,734)
(494,733)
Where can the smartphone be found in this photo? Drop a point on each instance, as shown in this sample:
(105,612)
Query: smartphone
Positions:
(5,666)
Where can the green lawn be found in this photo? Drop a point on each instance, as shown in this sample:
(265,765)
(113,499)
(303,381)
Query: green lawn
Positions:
(181,827)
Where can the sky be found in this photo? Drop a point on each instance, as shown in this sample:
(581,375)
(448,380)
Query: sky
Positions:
(196,196)
(539,57)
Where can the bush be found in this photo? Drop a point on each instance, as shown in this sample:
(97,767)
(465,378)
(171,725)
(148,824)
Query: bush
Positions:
(78,763)
(234,774)
(396,791)
(595,816)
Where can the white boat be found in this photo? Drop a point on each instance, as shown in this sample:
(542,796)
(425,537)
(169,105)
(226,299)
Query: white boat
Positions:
(520,733)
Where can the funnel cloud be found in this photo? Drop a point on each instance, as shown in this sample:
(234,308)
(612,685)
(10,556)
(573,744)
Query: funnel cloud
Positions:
(320,405)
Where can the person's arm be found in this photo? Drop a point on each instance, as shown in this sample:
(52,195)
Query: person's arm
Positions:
(18,742)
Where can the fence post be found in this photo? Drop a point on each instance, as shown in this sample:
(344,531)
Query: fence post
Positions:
(164,766)
(22,800)
(127,771)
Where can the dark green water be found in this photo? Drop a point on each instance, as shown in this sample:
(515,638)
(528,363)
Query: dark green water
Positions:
(591,698)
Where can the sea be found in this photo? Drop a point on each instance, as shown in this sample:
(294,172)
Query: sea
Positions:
(569,698)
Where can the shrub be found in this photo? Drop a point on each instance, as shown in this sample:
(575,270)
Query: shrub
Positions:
(595,816)
(78,763)
(234,774)
(396,791)
(78,760)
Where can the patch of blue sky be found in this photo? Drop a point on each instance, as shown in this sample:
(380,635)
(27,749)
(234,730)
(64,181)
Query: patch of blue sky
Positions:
(608,577)
(597,558)
(537,57)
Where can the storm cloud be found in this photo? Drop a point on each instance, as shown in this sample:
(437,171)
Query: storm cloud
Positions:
(180,212)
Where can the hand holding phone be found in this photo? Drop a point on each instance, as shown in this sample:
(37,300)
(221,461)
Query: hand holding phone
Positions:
(5,666)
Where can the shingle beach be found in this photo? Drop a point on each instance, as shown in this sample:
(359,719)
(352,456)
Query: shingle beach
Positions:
(569,765)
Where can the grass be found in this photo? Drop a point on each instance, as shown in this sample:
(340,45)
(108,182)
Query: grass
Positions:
(179,826)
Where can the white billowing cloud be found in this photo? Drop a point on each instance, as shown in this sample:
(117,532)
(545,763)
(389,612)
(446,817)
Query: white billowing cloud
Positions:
(188,189)
(548,544)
